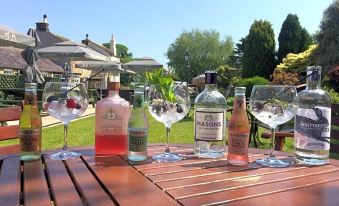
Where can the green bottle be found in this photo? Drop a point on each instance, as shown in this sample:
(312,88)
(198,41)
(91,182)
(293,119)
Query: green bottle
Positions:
(138,128)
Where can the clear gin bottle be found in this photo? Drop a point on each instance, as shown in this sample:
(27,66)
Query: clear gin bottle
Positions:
(209,120)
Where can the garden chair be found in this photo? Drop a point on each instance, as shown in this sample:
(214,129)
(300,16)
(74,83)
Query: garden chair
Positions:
(9,132)
(282,134)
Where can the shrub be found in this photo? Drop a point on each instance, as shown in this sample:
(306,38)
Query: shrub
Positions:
(283,77)
(333,94)
(250,82)
(333,78)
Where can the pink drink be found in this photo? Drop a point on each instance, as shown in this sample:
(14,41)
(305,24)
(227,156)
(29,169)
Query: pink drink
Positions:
(111,122)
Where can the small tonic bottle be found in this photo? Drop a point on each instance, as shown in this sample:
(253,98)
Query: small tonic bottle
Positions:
(138,128)
(238,130)
(209,120)
(111,121)
(30,125)
(313,122)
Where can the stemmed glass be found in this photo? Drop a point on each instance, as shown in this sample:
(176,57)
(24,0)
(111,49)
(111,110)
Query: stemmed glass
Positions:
(65,101)
(168,105)
(273,105)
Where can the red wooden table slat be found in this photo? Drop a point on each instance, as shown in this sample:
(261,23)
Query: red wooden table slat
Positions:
(35,185)
(325,194)
(62,187)
(10,181)
(260,190)
(249,181)
(88,186)
(126,184)
(223,176)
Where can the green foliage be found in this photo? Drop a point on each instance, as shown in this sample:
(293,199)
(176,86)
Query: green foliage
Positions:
(328,38)
(293,66)
(228,75)
(206,52)
(292,37)
(298,62)
(122,52)
(250,82)
(238,52)
(259,51)
(333,94)
(161,83)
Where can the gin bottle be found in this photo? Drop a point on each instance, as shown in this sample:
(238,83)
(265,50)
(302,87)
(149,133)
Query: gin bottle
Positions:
(138,128)
(238,130)
(312,122)
(30,125)
(209,120)
(111,122)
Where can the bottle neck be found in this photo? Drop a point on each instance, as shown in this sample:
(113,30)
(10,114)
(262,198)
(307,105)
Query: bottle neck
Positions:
(30,96)
(239,102)
(113,93)
(313,81)
(138,101)
(210,86)
(313,84)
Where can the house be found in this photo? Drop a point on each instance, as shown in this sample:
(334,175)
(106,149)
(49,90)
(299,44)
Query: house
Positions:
(12,62)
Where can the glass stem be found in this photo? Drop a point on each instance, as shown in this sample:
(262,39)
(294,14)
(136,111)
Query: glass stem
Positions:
(168,129)
(65,137)
(272,142)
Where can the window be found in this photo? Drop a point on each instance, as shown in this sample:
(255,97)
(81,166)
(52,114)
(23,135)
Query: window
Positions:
(8,71)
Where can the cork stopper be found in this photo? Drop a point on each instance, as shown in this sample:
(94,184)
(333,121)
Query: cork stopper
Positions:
(113,86)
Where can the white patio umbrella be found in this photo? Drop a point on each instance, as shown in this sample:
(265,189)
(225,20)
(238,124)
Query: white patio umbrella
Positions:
(10,37)
(70,51)
(142,65)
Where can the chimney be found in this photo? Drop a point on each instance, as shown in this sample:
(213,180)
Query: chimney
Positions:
(86,41)
(112,46)
(42,26)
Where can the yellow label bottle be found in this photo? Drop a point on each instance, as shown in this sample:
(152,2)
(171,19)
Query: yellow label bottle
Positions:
(30,125)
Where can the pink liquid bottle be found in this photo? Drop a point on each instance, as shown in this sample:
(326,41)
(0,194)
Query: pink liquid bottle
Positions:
(111,122)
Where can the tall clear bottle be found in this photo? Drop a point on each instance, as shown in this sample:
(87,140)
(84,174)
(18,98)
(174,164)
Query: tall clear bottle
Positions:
(30,125)
(209,120)
(138,128)
(111,122)
(238,130)
(313,122)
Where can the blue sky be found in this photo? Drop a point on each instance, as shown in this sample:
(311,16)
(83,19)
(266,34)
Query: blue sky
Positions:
(148,27)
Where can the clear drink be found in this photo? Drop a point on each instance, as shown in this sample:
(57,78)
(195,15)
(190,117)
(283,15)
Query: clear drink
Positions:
(209,120)
(313,121)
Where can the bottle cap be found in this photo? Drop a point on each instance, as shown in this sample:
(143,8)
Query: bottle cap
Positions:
(30,86)
(211,77)
(240,90)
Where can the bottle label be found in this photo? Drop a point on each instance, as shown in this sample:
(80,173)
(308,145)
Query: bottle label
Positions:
(30,140)
(137,139)
(209,125)
(110,124)
(312,128)
(238,143)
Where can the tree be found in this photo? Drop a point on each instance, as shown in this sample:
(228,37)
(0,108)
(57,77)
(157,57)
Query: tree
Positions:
(294,66)
(236,58)
(292,37)
(328,38)
(206,52)
(259,50)
(122,52)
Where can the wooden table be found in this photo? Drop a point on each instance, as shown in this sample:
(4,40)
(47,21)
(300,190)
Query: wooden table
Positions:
(112,180)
